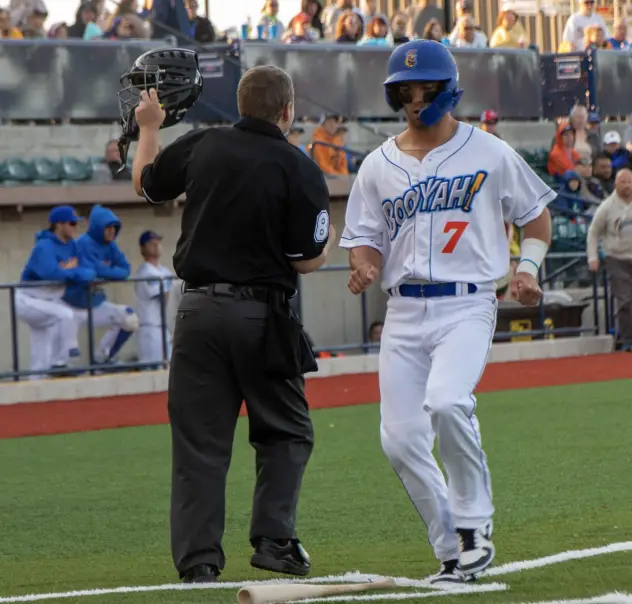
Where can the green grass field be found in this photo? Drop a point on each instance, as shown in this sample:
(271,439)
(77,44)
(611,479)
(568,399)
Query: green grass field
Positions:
(90,510)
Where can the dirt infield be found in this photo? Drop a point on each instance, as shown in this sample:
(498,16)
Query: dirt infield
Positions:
(59,417)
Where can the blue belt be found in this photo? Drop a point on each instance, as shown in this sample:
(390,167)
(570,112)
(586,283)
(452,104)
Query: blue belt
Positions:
(429,290)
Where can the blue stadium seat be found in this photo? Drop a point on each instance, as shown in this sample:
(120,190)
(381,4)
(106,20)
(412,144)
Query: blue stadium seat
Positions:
(46,170)
(18,171)
(75,170)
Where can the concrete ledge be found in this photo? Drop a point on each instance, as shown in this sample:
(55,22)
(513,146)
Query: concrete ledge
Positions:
(148,382)
(29,196)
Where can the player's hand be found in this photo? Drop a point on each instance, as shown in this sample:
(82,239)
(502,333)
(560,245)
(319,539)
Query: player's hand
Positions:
(362,277)
(593,265)
(525,289)
(149,114)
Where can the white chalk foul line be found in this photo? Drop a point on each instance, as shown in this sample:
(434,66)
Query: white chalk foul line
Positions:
(355,577)
(407,595)
(611,598)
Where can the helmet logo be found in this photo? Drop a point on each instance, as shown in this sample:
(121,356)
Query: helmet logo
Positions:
(411,59)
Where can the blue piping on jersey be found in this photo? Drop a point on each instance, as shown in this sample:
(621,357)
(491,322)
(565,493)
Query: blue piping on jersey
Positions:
(467,140)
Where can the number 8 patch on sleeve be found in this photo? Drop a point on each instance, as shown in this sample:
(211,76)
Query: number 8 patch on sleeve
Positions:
(322,227)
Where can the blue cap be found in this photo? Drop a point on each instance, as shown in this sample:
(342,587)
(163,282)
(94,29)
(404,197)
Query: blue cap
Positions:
(63,214)
(593,118)
(148,236)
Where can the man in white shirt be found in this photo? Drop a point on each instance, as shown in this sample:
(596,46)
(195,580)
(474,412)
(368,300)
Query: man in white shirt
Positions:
(149,300)
(579,21)
(465,34)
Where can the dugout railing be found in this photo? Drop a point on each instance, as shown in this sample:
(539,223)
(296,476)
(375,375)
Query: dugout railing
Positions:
(599,292)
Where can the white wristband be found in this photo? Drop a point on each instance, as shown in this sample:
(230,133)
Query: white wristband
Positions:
(532,253)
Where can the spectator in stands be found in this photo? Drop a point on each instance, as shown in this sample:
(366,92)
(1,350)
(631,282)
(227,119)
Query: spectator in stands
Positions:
(509,32)
(353,162)
(112,163)
(584,169)
(619,35)
(594,125)
(619,156)
(21,9)
(569,198)
(150,299)
(299,30)
(33,26)
(98,249)
(627,134)
(349,28)
(7,30)
(376,33)
(612,226)
(126,28)
(587,143)
(200,28)
(467,35)
(434,31)
(58,31)
(271,22)
(313,8)
(331,13)
(53,329)
(399,24)
(578,22)
(601,183)
(86,14)
(595,38)
(420,13)
(489,122)
(375,332)
(465,8)
(563,156)
(331,160)
(294,138)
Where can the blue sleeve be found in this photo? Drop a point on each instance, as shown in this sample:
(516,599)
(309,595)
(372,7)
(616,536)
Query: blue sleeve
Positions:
(44,264)
(119,268)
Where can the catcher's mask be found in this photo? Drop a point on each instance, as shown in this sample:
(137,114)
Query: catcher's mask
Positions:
(174,73)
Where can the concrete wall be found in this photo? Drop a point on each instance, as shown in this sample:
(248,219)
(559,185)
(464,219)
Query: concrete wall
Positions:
(54,141)
(332,314)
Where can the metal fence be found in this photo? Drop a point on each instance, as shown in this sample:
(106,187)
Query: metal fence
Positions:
(76,80)
(599,294)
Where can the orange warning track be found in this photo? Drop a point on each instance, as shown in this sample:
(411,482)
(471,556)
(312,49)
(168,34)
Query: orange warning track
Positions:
(34,419)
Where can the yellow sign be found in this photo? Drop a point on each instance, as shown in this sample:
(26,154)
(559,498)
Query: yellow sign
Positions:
(519,325)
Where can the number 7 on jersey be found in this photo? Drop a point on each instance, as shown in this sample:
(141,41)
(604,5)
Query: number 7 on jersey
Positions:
(458,228)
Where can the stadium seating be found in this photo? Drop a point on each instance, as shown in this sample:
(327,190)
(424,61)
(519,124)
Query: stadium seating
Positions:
(46,170)
(74,170)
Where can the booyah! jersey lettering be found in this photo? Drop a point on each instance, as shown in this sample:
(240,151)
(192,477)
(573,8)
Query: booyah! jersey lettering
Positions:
(442,219)
(434,194)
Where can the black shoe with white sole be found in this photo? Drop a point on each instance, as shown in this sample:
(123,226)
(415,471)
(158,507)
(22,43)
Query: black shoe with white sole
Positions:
(449,575)
(477,549)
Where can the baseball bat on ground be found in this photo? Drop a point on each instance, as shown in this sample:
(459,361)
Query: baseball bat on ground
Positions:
(287,592)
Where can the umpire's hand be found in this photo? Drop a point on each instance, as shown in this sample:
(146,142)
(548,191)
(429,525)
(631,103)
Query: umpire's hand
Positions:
(149,114)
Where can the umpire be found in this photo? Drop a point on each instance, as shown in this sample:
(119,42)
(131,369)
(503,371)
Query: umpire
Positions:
(256,215)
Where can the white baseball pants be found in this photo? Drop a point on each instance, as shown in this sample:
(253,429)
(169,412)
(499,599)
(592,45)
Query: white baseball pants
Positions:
(53,331)
(108,314)
(150,344)
(432,355)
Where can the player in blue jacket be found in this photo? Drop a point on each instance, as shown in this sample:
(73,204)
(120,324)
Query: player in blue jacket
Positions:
(53,325)
(97,248)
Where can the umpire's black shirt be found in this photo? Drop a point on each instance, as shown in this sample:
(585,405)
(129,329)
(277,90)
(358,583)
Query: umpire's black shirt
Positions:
(254,202)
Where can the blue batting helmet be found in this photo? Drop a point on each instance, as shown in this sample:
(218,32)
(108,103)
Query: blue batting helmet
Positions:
(424,61)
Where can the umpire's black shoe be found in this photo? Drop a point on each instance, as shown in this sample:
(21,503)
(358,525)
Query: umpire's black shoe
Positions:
(202,573)
(286,556)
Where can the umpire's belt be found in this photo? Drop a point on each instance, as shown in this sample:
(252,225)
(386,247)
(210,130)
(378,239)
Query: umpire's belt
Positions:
(244,292)
(432,290)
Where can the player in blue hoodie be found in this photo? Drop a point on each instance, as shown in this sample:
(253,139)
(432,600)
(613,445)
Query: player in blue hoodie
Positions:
(53,325)
(97,248)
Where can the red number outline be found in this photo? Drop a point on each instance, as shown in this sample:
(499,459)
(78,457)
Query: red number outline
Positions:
(459,228)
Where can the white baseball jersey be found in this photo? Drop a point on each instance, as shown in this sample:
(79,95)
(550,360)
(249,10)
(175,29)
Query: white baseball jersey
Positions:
(443,219)
(148,293)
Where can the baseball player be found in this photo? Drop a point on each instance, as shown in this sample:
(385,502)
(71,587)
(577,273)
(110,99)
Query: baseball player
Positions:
(426,215)
(98,249)
(53,330)
(148,300)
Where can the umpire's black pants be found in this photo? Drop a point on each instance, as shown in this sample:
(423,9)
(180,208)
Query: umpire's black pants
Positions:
(216,363)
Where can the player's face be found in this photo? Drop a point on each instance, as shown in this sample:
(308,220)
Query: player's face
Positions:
(109,234)
(68,230)
(417,96)
(153,248)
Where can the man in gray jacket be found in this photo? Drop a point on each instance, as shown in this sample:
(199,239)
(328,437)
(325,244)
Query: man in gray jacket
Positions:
(612,225)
